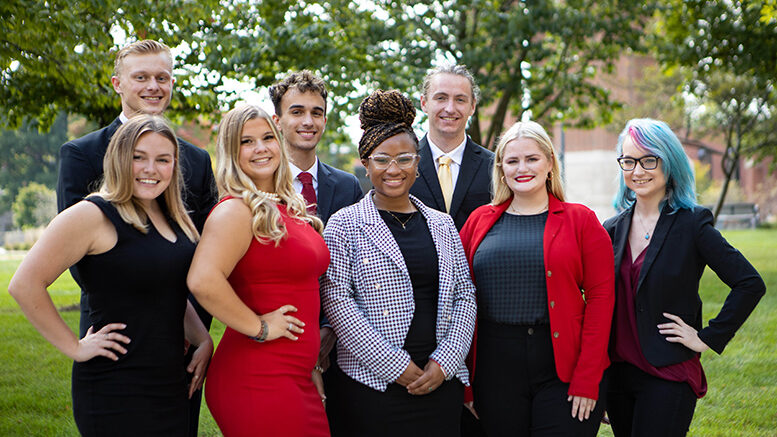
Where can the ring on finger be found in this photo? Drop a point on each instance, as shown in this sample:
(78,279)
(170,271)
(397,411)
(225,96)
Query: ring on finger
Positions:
(430,388)
(290,326)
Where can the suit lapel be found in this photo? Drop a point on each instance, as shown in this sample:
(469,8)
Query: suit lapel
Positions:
(326,190)
(665,222)
(470,163)
(428,171)
(621,237)
(376,230)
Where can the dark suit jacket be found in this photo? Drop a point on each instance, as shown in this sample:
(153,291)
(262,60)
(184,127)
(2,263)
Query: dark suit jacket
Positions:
(336,190)
(473,186)
(81,171)
(683,244)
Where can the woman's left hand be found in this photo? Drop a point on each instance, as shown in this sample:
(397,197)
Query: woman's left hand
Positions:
(199,365)
(432,378)
(682,333)
(581,406)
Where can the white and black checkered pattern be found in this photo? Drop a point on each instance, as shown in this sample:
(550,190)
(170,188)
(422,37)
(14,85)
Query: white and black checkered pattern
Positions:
(368,297)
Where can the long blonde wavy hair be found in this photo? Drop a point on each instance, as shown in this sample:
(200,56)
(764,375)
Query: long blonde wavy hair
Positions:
(118,181)
(266,224)
(532,130)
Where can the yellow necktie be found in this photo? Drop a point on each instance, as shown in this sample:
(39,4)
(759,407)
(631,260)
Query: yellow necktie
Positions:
(446,180)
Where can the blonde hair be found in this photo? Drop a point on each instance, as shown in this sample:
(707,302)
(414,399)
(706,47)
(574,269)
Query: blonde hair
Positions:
(266,223)
(143,47)
(118,181)
(531,130)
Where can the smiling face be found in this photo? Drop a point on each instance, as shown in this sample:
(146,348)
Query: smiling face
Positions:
(145,83)
(448,104)
(392,184)
(646,184)
(153,163)
(302,119)
(525,167)
(259,153)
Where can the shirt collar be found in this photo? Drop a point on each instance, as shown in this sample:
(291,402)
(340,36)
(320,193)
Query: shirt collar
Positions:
(123,118)
(456,155)
(295,171)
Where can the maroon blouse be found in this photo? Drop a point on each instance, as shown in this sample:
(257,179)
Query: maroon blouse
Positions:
(627,340)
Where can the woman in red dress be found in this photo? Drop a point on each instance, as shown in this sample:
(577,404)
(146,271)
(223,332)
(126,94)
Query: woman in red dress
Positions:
(256,269)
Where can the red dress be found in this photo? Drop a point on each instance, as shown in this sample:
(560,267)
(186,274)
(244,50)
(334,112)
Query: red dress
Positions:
(265,389)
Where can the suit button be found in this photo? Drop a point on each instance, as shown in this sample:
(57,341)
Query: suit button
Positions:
(366,261)
(450,317)
(377,286)
(555,334)
(385,312)
(549,273)
(530,331)
(641,309)
(552,304)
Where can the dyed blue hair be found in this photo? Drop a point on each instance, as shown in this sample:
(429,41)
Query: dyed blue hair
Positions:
(656,138)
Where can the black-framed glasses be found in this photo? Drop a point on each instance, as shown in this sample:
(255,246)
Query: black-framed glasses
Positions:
(648,162)
(403,161)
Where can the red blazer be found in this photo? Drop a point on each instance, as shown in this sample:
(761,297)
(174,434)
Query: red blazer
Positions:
(580,278)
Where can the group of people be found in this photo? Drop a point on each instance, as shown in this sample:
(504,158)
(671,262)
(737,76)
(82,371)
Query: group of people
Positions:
(461,295)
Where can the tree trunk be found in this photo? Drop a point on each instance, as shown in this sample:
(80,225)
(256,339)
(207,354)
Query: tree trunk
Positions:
(498,119)
(729,164)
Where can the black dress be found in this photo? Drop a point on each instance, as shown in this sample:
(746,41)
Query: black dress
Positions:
(141,282)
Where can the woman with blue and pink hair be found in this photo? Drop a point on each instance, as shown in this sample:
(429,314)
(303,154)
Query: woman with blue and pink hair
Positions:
(662,241)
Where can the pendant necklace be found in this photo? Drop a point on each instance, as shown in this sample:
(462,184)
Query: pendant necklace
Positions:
(403,223)
(644,228)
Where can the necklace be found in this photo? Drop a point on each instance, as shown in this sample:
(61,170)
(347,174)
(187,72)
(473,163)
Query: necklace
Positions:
(403,223)
(518,212)
(644,228)
(272,196)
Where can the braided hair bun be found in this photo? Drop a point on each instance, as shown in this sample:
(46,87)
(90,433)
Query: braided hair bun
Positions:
(384,114)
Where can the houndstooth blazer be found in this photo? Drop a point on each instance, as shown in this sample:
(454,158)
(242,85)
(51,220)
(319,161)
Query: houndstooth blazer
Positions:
(368,297)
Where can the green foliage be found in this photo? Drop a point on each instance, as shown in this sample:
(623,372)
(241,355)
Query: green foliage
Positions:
(35,206)
(27,155)
(535,57)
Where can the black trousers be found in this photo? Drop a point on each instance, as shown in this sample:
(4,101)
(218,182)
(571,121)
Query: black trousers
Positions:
(516,388)
(639,404)
(361,411)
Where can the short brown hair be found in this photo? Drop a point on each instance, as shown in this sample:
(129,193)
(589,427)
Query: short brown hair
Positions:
(304,81)
(455,69)
(143,47)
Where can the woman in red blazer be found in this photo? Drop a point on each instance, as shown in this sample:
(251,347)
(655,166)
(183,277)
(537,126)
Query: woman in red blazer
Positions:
(545,288)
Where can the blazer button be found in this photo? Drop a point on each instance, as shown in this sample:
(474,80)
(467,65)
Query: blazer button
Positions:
(377,286)
(555,334)
(450,317)
(553,304)
(549,273)
(385,312)
(366,261)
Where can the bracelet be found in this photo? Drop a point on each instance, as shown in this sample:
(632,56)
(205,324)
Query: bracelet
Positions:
(318,368)
(262,335)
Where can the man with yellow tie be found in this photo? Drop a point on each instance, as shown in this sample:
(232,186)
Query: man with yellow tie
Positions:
(455,172)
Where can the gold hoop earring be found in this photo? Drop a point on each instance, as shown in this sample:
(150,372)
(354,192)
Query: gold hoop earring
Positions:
(417,175)
(550,175)
(503,179)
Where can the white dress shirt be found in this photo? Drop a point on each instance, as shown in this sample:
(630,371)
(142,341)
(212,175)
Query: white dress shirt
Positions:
(295,171)
(456,155)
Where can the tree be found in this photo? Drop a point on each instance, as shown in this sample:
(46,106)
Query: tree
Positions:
(729,51)
(27,155)
(34,206)
(536,57)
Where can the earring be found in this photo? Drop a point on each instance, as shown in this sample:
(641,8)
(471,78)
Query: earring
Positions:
(502,179)
(550,175)
(417,175)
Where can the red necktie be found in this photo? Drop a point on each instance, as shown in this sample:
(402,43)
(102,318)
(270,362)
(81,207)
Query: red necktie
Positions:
(308,192)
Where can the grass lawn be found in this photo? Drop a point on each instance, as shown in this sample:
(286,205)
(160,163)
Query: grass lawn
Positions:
(35,383)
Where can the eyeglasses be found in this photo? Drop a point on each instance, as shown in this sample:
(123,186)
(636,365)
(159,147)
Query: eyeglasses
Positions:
(403,161)
(648,162)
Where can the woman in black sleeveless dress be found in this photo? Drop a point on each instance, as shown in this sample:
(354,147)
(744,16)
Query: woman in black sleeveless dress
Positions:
(132,243)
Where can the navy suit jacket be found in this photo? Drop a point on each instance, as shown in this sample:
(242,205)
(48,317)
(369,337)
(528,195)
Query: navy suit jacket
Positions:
(473,185)
(336,190)
(81,171)
(684,243)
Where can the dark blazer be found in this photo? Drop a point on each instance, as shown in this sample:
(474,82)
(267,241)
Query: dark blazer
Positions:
(336,190)
(473,185)
(683,244)
(81,171)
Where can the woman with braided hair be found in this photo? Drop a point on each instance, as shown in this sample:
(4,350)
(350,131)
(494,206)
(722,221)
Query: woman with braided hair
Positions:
(397,293)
